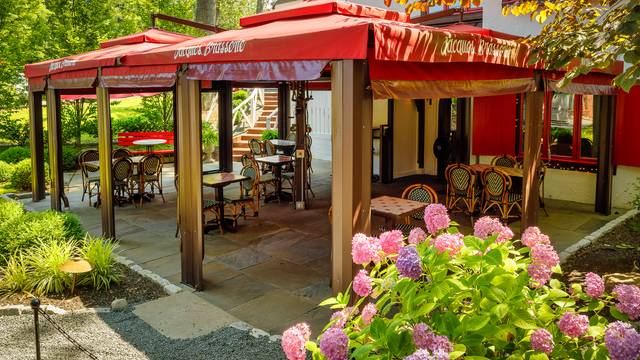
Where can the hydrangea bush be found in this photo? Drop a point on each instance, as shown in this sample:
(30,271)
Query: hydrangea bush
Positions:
(443,295)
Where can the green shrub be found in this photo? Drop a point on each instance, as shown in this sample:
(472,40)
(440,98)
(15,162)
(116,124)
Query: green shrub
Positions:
(99,253)
(9,210)
(72,227)
(5,171)
(21,176)
(14,130)
(32,228)
(209,135)
(70,157)
(44,263)
(269,135)
(15,154)
(136,123)
(238,97)
(14,277)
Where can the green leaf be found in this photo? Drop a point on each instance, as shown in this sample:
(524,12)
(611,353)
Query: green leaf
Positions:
(457,283)
(329,301)
(494,257)
(475,323)
(362,351)
(555,284)
(378,330)
(538,356)
(617,314)
(557,293)
(500,310)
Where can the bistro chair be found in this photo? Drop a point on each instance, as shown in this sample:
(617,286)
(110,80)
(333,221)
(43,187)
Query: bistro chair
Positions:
(416,192)
(497,193)
(120,153)
(269,148)
(149,174)
(248,195)
(462,189)
(256,147)
(505,160)
(264,180)
(292,136)
(90,174)
(247,159)
(542,172)
(289,178)
(122,171)
(208,205)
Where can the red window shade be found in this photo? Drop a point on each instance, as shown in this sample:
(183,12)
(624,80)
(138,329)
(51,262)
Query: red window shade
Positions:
(494,121)
(626,148)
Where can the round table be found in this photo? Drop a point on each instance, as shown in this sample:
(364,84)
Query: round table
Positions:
(149,143)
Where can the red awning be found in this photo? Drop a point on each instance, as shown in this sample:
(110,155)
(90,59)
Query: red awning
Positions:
(106,55)
(111,96)
(37,84)
(466,28)
(156,76)
(79,79)
(594,83)
(258,71)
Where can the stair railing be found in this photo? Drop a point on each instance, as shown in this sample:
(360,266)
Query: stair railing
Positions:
(246,113)
(271,115)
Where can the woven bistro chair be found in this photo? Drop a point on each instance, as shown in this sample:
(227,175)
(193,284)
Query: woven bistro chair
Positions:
(208,205)
(149,175)
(249,195)
(264,180)
(463,193)
(120,153)
(269,148)
(497,193)
(505,160)
(121,172)
(416,192)
(247,159)
(90,174)
(256,147)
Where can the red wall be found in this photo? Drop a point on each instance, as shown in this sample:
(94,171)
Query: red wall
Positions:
(626,148)
(494,121)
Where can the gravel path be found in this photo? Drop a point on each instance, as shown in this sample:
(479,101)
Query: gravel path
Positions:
(122,335)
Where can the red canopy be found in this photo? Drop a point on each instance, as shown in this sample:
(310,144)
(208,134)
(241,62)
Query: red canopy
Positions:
(108,54)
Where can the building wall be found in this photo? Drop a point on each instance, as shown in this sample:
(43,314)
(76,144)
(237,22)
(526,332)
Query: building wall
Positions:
(405,139)
(319,110)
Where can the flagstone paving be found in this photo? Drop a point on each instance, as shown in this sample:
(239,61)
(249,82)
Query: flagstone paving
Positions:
(274,270)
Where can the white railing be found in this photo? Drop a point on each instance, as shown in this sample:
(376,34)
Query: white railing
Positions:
(273,114)
(247,112)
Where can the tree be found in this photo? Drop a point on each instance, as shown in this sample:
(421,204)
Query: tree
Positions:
(207,11)
(78,116)
(578,35)
(159,109)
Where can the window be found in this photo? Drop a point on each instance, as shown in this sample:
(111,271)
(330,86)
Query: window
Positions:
(570,128)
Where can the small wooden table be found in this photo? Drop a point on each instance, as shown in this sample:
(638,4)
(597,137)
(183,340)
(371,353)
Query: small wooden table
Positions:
(95,165)
(394,209)
(149,143)
(286,146)
(277,161)
(218,181)
(513,172)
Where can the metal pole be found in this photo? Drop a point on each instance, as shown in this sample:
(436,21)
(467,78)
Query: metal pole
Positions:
(35,305)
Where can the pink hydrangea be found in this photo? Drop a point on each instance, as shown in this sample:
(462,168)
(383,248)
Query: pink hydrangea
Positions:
(594,285)
(628,297)
(334,344)
(368,312)
(416,236)
(362,283)
(425,338)
(487,226)
(539,273)
(422,354)
(436,218)
(449,242)
(573,325)
(342,316)
(622,341)
(546,255)
(365,249)
(542,340)
(391,241)
(532,236)
(294,340)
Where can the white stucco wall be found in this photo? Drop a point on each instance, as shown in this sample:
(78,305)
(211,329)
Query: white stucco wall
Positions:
(405,139)
(319,110)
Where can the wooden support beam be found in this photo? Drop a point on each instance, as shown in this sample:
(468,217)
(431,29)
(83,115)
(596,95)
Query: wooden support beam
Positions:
(189,159)
(55,149)
(352,113)
(225,117)
(36,143)
(605,112)
(283,110)
(301,162)
(532,152)
(104,151)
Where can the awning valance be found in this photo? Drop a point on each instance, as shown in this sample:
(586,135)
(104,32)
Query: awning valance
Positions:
(80,79)
(37,84)
(592,83)
(157,76)
(258,71)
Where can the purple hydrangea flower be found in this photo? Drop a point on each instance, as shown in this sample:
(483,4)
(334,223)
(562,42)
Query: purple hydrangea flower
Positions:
(425,338)
(594,285)
(622,341)
(409,263)
(542,340)
(573,325)
(334,344)
(628,297)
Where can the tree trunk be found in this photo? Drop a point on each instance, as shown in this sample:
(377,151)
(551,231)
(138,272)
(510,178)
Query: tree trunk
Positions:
(206,12)
(259,6)
(78,133)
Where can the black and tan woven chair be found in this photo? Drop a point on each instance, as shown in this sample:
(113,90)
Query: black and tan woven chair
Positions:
(247,159)
(463,193)
(120,153)
(497,193)
(505,160)
(421,193)
(208,206)
(255,146)
(149,175)
(249,194)
(269,148)
(121,172)
(90,174)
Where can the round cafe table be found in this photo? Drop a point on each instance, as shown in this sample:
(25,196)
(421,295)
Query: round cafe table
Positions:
(149,143)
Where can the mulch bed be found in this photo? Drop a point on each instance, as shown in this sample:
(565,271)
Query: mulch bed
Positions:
(616,255)
(132,287)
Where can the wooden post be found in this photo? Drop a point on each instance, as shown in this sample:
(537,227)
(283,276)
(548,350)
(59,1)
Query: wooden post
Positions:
(352,113)
(225,117)
(283,110)
(532,152)
(301,168)
(605,112)
(104,151)
(55,149)
(36,143)
(189,158)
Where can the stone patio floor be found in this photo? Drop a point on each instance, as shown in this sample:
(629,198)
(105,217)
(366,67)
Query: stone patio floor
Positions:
(274,270)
